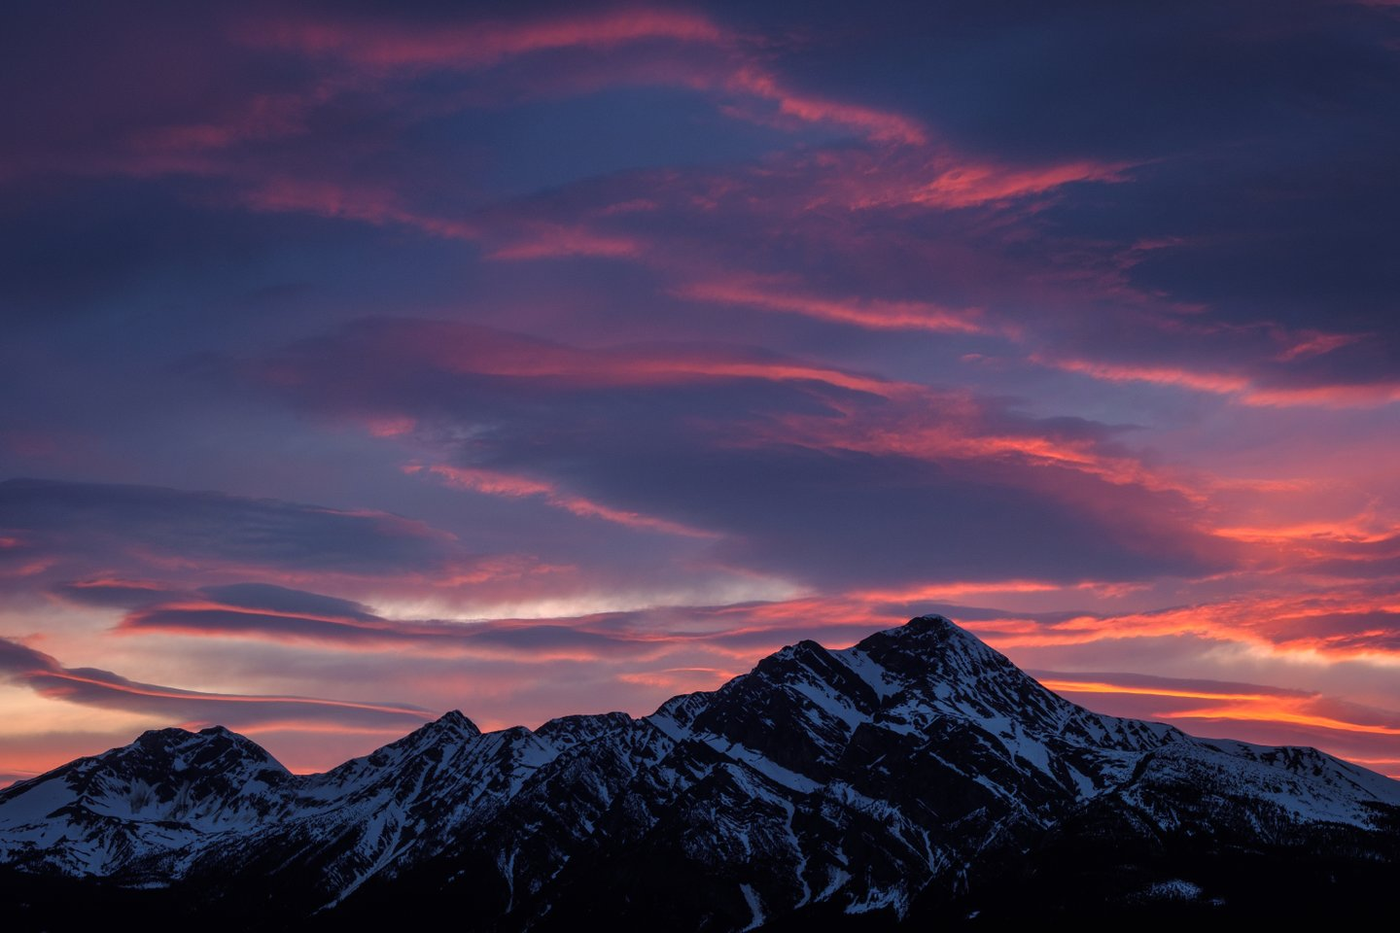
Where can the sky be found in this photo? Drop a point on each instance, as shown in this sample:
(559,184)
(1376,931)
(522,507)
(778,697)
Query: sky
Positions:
(365,361)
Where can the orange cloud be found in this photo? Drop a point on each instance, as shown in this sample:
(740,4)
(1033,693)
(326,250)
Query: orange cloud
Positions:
(1336,623)
(1265,714)
(1256,714)
(1059,685)
(1361,529)
(680,679)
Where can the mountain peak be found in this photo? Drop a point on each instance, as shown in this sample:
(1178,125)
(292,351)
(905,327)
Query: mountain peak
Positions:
(209,750)
(926,633)
(161,737)
(454,718)
(451,724)
(804,650)
(936,626)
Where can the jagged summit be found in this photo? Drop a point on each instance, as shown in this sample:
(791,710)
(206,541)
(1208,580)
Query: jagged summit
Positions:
(453,721)
(839,781)
(930,622)
(182,747)
(929,633)
(168,735)
(450,728)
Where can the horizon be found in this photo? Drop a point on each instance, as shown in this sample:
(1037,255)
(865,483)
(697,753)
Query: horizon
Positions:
(197,729)
(368,361)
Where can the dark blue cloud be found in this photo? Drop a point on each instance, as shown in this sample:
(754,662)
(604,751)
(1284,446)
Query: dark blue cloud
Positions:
(94,519)
(698,451)
(92,687)
(284,599)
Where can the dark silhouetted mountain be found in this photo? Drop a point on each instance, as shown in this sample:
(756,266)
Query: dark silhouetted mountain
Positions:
(918,776)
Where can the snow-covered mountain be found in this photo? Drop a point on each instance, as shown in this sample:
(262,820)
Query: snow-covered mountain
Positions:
(914,769)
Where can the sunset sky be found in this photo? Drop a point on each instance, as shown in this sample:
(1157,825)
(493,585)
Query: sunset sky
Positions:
(365,361)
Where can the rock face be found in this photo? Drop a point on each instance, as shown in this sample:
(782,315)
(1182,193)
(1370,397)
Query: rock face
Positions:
(915,772)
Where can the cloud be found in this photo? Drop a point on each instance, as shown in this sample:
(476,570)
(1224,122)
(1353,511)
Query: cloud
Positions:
(114,592)
(784,460)
(1252,712)
(880,315)
(474,44)
(1242,387)
(99,523)
(273,613)
(530,642)
(504,484)
(43,674)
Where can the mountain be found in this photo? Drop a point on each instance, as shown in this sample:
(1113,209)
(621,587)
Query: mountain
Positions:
(918,776)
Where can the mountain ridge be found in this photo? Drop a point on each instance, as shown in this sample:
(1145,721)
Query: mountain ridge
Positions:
(859,781)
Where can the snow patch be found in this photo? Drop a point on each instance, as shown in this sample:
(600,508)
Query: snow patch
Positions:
(755,906)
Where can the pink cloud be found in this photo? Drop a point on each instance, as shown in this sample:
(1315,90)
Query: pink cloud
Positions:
(1316,343)
(1372,395)
(871,313)
(1244,389)
(972,184)
(1218,383)
(548,241)
(466,349)
(478,44)
(877,125)
(357,202)
(495,483)
(734,69)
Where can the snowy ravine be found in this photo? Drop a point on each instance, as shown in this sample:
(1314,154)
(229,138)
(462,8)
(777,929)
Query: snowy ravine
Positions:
(831,782)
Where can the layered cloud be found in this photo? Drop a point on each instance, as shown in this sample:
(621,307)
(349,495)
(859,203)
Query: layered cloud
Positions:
(779,459)
(252,712)
(209,527)
(1262,714)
